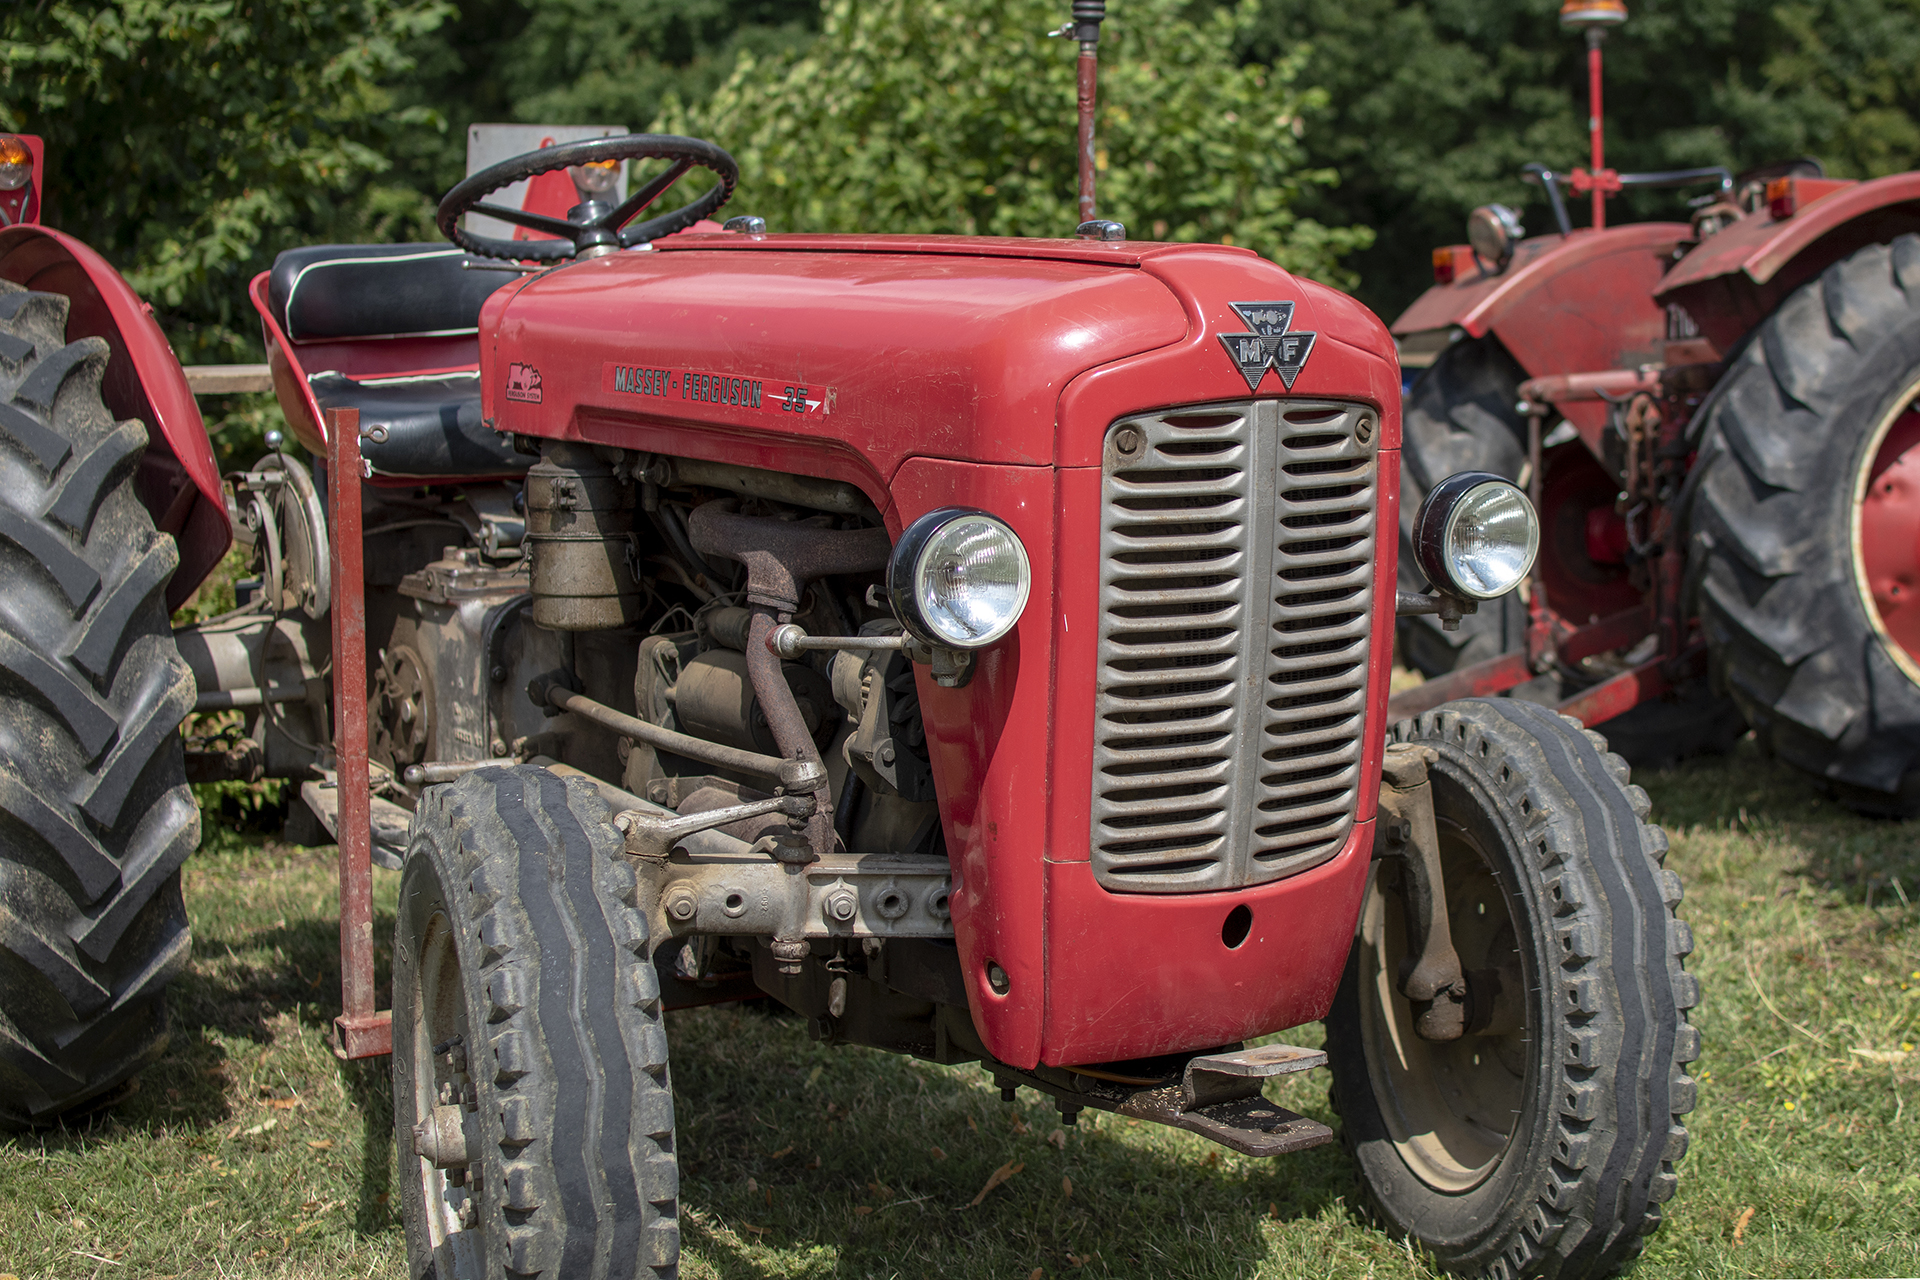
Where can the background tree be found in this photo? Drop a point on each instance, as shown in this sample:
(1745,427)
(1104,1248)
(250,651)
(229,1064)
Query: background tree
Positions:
(579,62)
(1429,107)
(190,140)
(958,116)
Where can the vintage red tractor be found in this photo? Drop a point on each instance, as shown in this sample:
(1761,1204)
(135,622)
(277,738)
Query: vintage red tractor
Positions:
(980,646)
(1716,421)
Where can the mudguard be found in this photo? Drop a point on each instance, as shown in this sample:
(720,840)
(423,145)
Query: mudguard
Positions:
(1734,280)
(1565,304)
(178,481)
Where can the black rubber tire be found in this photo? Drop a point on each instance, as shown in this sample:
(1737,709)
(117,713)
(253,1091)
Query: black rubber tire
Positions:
(517,900)
(1772,515)
(1576,1185)
(95,812)
(1460,416)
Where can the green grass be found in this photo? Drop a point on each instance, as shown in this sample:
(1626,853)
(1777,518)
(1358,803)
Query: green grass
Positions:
(249,1151)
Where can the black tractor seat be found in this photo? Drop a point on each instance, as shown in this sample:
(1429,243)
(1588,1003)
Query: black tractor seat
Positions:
(424,426)
(391,294)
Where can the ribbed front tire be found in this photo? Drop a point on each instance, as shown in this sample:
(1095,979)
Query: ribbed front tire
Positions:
(95,813)
(527,1023)
(1542,1142)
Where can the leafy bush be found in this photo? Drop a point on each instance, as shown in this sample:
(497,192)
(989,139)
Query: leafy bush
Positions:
(958,116)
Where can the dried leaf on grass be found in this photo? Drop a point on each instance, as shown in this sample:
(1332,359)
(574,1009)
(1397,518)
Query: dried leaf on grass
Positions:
(994,1179)
(283,1104)
(784,1151)
(759,1231)
(1038,1273)
(938,1154)
(325,1144)
(862,1210)
(1066,1187)
(1058,1138)
(1887,1056)
(1740,1224)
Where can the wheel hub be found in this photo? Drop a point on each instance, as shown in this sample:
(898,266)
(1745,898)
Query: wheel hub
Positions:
(1449,1106)
(1889,533)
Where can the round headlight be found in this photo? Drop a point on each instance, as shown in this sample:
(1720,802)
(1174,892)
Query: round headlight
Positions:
(1493,230)
(958,578)
(1476,535)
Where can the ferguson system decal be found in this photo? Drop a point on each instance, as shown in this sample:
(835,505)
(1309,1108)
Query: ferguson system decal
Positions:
(1269,346)
(523,383)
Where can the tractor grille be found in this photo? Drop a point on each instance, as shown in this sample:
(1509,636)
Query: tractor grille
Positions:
(1237,548)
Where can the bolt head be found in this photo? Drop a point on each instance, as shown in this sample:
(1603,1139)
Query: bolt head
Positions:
(1127,440)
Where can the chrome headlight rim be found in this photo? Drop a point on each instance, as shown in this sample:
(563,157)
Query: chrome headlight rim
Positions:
(1433,528)
(906,567)
(1493,232)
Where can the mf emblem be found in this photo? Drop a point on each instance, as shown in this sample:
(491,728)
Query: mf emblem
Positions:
(1269,346)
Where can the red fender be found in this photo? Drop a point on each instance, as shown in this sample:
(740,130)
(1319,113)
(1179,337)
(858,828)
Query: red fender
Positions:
(1566,304)
(1734,280)
(178,480)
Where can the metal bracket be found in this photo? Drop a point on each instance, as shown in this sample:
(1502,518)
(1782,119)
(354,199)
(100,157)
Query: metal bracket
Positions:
(1450,608)
(1217,1095)
(653,835)
(1430,976)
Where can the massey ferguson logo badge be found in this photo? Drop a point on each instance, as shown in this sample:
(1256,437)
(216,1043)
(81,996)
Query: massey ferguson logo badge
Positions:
(1269,346)
(523,383)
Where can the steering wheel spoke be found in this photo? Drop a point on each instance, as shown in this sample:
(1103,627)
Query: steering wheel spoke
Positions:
(647,194)
(600,229)
(531,221)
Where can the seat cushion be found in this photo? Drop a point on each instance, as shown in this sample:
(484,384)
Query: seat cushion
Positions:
(432,425)
(328,291)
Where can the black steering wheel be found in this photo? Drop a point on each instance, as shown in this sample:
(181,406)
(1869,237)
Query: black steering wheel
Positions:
(592,227)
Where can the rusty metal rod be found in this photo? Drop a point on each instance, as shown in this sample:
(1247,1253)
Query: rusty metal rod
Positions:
(792,774)
(361,1031)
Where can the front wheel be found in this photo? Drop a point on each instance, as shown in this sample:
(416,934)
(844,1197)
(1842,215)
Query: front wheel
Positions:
(1541,1142)
(530,1096)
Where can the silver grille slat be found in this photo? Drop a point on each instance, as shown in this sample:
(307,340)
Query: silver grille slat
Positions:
(1237,548)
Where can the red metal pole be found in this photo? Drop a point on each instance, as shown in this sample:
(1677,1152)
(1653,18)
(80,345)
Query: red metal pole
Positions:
(1594,131)
(1089,78)
(360,1031)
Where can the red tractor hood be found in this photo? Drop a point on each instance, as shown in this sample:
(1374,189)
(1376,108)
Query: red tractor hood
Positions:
(874,349)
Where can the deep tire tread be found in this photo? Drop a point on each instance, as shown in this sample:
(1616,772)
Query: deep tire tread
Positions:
(1771,519)
(95,814)
(1613,1125)
(564,1001)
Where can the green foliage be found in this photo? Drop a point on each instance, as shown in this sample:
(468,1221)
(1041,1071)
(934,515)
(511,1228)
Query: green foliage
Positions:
(190,140)
(589,62)
(1429,107)
(958,116)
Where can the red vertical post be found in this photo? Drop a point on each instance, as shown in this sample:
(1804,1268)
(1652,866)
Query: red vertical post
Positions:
(360,1031)
(1594,130)
(1089,80)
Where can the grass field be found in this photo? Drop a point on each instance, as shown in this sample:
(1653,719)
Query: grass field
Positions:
(249,1151)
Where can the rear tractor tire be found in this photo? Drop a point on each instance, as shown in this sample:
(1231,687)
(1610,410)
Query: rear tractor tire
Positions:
(95,813)
(531,1103)
(1542,1142)
(1806,529)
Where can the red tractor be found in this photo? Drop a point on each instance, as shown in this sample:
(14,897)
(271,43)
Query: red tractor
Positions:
(1715,418)
(980,646)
